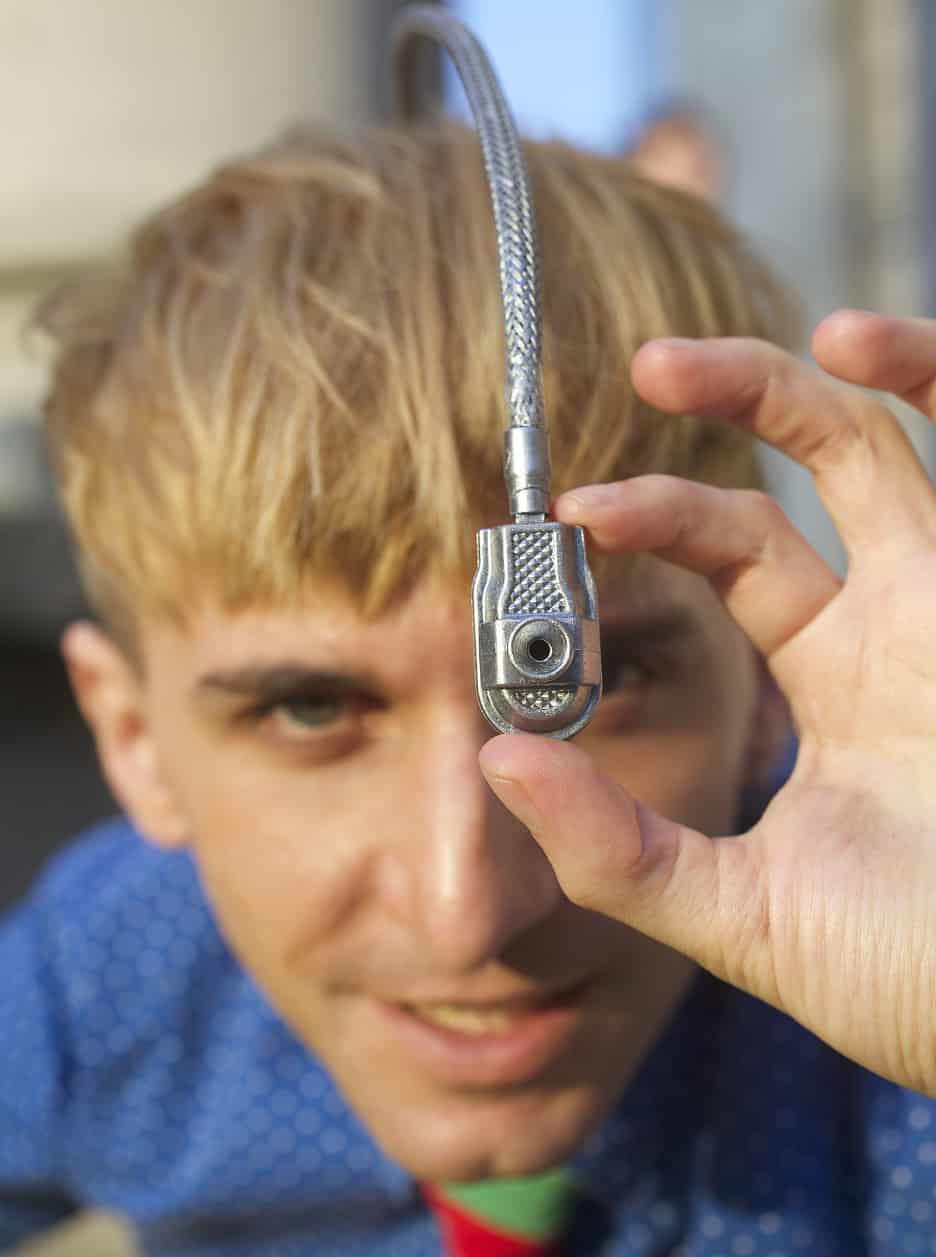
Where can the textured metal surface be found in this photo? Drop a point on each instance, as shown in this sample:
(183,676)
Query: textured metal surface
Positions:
(551,699)
(536,589)
(510,196)
(533,588)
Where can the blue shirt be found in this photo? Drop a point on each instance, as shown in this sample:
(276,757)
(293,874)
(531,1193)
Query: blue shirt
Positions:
(142,1071)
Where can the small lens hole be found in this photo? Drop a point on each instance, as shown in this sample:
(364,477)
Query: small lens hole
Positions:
(539,649)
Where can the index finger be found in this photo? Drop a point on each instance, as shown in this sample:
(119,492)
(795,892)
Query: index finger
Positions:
(865,468)
(895,355)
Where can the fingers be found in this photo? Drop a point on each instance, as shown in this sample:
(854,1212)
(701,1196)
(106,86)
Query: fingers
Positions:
(895,355)
(771,579)
(610,854)
(865,468)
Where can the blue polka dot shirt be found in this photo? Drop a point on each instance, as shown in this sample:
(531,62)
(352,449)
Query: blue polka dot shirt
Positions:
(142,1071)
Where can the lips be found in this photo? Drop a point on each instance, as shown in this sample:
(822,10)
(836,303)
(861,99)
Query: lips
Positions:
(485,1044)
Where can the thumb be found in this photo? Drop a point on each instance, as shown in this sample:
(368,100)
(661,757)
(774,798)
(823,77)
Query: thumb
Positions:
(611,854)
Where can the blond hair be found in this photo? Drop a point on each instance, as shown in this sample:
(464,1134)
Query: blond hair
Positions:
(298,371)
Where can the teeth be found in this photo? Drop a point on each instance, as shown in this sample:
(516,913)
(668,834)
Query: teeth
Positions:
(467,1020)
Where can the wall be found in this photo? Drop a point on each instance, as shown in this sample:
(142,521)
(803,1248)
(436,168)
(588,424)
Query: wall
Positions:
(819,104)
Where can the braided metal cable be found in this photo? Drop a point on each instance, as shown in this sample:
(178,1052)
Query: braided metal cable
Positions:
(510,194)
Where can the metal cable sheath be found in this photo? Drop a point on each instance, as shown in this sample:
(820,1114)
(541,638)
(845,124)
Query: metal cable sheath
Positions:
(510,196)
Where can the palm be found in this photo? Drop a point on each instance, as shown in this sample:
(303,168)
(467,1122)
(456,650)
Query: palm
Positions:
(863,670)
(848,881)
(825,908)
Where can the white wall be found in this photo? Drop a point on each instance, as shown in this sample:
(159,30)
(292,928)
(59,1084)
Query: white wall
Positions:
(113,106)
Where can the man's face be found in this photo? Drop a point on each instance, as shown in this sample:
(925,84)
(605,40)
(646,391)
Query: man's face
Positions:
(405,925)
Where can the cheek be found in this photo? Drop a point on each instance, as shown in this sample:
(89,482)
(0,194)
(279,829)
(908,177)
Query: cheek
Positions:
(284,851)
(689,761)
(685,778)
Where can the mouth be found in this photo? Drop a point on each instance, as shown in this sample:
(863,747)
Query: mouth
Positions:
(486,1044)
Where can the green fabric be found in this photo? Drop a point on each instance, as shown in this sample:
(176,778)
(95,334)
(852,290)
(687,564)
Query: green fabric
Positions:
(536,1207)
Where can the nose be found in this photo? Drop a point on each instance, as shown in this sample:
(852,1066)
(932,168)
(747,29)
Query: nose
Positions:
(470,879)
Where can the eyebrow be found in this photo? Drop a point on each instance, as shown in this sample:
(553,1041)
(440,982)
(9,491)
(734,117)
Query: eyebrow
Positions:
(667,626)
(284,680)
(627,626)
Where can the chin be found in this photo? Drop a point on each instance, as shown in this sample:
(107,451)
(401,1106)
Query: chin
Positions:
(469,1138)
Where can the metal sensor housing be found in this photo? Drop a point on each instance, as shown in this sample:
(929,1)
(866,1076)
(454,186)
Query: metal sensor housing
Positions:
(537,653)
(537,656)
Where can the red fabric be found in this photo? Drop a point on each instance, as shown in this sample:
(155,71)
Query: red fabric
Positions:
(468,1236)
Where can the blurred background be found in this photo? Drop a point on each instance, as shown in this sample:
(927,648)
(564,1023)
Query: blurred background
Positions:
(809,120)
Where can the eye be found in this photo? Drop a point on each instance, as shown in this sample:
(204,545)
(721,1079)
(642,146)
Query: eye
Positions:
(308,713)
(307,717)
(624,674)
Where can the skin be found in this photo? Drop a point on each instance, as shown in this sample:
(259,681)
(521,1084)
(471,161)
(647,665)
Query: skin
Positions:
(825,908)
(682,152)
(354,853)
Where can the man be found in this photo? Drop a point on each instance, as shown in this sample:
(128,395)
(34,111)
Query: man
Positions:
(277,429)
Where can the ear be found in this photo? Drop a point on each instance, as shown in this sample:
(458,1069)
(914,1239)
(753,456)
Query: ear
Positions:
(771,731)
(110,692)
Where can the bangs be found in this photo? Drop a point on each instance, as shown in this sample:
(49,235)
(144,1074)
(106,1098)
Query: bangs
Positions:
(298,373)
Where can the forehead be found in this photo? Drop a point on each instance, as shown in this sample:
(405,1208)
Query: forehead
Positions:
(427,633)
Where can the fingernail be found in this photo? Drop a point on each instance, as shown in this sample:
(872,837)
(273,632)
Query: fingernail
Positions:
(578,503)
(515,797)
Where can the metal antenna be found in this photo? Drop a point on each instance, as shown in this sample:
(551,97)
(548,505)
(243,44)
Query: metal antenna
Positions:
(527,453)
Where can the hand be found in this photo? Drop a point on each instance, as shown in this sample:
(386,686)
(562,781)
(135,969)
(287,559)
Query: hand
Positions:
(827,907)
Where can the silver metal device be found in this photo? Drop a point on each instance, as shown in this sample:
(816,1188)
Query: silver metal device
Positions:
(536,646)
